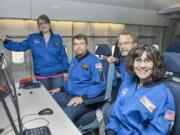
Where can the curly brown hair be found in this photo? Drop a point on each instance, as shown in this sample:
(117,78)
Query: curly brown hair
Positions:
(153,54)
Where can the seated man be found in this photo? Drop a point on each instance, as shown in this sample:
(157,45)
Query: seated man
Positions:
(85,80)
(126,41)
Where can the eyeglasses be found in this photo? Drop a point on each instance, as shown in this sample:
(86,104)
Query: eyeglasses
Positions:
(139,61)
(81,44)
(124,43)
(42,23)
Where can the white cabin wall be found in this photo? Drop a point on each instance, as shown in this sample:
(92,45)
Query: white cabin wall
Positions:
(18,29)
(79,11)
(148,34)
(64,29)
(15,8)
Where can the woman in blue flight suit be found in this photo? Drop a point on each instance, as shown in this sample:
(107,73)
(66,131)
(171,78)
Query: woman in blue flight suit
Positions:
(144,105)
(49,56)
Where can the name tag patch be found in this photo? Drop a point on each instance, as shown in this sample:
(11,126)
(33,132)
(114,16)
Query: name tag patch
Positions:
(56,43)
(148,104)
(85,66)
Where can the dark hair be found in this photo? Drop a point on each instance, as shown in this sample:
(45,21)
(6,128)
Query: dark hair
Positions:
(81,36)
(153,54)
(126,32)
(45,18)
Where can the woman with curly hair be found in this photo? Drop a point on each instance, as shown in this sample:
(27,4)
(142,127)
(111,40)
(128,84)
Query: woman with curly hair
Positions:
(145,105)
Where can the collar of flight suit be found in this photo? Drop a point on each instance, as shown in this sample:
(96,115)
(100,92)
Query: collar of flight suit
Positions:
(86,54)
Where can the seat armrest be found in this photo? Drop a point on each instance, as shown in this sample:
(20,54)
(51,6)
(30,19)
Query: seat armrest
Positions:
(99,99)
(110,132)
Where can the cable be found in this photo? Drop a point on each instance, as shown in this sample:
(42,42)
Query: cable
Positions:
(8,73)
(10,77)
(5,73)
(8,132)
(23,117)
(1,130)
(35,120)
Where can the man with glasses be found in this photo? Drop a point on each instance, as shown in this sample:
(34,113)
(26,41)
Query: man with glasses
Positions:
(85,80)
(126,42)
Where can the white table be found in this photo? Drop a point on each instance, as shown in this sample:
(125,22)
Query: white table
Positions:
(31,102)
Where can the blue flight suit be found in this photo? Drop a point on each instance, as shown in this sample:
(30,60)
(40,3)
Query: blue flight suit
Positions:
(85,79)
(121,68)
(48,59)
(143,110)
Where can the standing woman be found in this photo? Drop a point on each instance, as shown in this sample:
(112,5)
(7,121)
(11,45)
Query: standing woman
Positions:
(144,106)
(49,56)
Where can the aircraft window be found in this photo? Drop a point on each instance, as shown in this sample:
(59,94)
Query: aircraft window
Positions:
(66,50)
(17,57)
(4,64)
(95,50)
(112,49)
(96,47)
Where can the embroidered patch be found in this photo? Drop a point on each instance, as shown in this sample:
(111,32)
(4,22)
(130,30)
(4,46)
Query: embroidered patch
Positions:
(56,43)
(124,92)
(85,66)
(169,115)
(148,103)
(36,41)
(98,65)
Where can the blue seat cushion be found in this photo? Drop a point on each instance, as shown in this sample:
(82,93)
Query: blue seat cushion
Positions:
(86,118)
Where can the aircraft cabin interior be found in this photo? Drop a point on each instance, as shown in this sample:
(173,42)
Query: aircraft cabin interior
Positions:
(155,22)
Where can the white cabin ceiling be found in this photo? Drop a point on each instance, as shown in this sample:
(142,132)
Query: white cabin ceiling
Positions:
(140,4)
(161,6)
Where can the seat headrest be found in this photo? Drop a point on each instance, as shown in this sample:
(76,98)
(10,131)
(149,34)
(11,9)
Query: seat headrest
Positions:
(174,47)
(172,62)
(103,49)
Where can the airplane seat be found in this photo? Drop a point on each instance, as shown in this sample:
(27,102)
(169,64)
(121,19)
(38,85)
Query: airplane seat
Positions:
(172,80)
(94,118)
(103,49)
(173,47)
